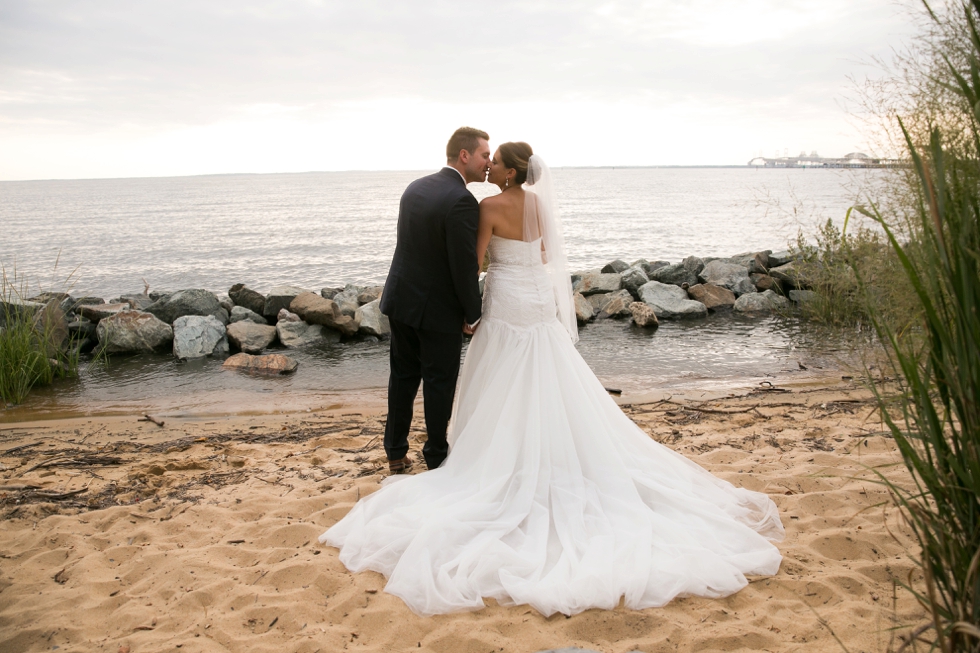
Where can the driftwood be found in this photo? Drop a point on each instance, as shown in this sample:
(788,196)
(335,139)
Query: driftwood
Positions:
(150,418)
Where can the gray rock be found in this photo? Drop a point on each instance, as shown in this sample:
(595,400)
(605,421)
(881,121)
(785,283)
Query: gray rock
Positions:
(137,301)
(195,301)
(197,336)
(132,332)
(330,292)
(286,316)
(268,364)
(788,273)
(250,337)
(670,302)
(222,315)
(693,264)
(15,307)
(247,298)
(278,298)
(760,302)
(598,300)
(675,274)
(239,313)
(584,311)
(655,265)
(760,263)
(226,304)
(632,278)
(713,297)
(744,259)
(594,282)
(802,296)
(84,301)
(729,275)
(644,315)
(96,312)
(372,321)
(640,263)
(617,305)
(347,301)
(301,334)
(781,258)
(315,309)
(66,303)
(82,335)
(615,267)
(157,295)
(369,294)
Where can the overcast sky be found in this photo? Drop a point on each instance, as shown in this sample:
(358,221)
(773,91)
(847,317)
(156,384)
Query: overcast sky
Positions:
(116,88)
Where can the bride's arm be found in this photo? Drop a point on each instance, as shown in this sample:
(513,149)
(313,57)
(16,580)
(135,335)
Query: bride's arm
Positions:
(483,233)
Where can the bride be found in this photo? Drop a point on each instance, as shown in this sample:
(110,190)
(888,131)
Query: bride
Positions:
(550,495)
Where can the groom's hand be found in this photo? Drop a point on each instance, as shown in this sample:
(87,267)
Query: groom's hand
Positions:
(470,330)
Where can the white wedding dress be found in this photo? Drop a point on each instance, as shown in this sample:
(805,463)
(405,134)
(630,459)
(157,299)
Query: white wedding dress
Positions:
(551,496)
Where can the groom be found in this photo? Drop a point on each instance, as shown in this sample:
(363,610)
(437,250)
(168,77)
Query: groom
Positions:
(432,295)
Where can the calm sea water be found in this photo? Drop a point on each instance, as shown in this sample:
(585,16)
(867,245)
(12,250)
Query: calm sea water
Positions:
(320,229)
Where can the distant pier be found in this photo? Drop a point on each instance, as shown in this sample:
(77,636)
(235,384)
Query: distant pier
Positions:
(852,160)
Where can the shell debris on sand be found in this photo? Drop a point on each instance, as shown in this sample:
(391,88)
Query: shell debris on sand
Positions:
(203,533)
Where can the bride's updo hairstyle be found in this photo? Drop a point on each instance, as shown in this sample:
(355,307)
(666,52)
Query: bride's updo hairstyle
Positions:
(516,155)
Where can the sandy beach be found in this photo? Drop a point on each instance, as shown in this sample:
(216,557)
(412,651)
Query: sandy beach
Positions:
(201,534)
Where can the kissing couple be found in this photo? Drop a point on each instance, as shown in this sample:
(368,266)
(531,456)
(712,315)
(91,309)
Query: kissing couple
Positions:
(540,490)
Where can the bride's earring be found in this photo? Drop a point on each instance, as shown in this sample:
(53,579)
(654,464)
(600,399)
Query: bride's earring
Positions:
(506,183)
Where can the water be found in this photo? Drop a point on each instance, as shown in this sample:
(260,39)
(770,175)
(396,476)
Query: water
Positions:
(320,229)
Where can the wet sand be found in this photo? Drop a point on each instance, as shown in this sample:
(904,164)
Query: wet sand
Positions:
(201,534)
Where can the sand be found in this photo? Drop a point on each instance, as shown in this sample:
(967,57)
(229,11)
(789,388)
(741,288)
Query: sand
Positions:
(201,535)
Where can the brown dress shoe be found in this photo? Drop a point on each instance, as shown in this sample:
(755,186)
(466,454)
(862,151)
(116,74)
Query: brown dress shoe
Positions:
(401,466)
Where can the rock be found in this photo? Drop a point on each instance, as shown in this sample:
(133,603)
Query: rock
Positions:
(644,315)
(157,295)
(197,336)
(733,276)
(250,337)
(584,310)
(594,282)
(239,313)
(788,273)
(615,267)
(84,301)
(65,301)
(278,298)
(97,312)
(132,332)
(222,315)
(760,302)
(286,316)
(632,278)
(301,334)
(675,274)
(329,292)
(597,300)
(670,302)
(640,263)
(195,301)
(371,320)
(655,265)
(777,259)
(744,259)
(802,296)
(713,297)
(136,301)
(693,264)
(247,298)
(617,305)
(315,309)
(763,281)
(15,307)
(226,304)
(81,332)
(268,364)
(760,263)
(369,294)
(347,301)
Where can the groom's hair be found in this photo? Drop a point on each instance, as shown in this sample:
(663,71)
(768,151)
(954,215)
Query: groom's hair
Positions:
(464,138)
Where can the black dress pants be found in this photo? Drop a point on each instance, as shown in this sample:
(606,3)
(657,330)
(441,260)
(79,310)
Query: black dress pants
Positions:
(432,358)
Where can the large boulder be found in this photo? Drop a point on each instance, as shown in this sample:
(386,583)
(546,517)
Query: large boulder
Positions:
(250,337)
(733,276)
(239,313)
(670,302)
(584,310)
(372,321)
(132,332)
(315,309)
(300,334)
(268,364)
(194,301)
(97,312)
(594,282)
(615,267)
(713,297)
(247,298)
(616,304)
(760,302)
(676,275)
(644,315)
(197,336)
(632,278)
(278,298)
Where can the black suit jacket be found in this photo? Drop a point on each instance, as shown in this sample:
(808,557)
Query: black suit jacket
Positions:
(433,280)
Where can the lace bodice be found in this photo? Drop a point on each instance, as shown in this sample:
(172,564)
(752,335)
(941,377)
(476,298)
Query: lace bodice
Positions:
(518,288)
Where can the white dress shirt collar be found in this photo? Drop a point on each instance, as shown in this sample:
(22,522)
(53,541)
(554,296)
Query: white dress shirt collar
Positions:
(457,172)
